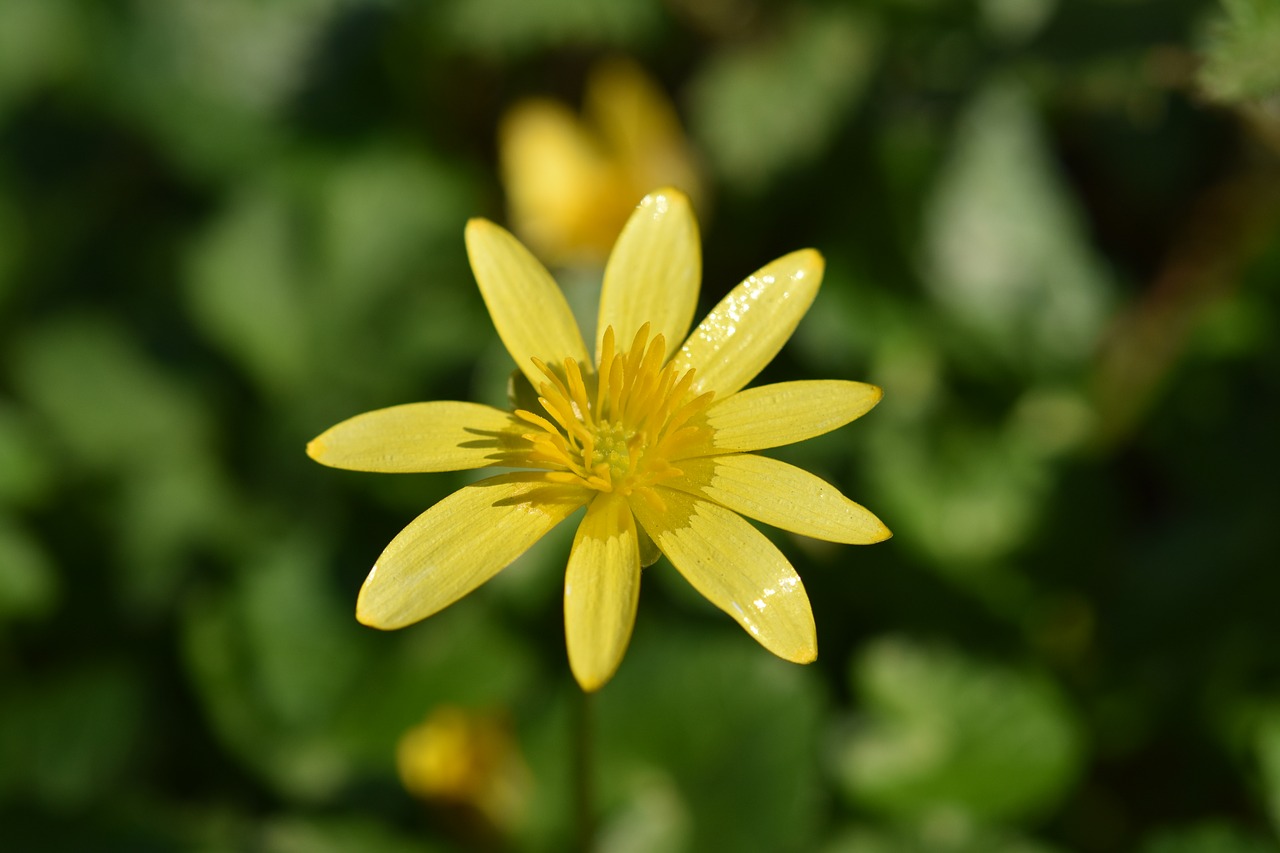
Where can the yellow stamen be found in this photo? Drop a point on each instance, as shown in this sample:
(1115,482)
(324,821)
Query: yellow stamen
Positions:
(617,429)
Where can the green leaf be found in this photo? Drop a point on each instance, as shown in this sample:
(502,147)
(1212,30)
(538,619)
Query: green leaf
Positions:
(943,732)
(1267,747)
(1241,60)
(246,284)
(383,212)
(28,582)
(211,82)
(106,401)
(39,40)
(763,109)
(311,700)
(965,495)
(273,658)
(26,471)
(67,740)
(113,410)
(1006,255)
(709,742)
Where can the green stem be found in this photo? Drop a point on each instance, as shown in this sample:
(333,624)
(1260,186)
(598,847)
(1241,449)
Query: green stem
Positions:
(583,780)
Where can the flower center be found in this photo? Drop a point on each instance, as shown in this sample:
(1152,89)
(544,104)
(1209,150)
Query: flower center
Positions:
(616,430)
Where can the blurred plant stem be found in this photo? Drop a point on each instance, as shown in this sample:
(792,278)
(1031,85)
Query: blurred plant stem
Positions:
(1224,230)
(583,778)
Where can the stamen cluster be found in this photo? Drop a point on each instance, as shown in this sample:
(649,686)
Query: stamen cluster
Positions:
(619,429)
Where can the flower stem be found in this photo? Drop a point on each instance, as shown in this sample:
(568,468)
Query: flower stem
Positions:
(583,778)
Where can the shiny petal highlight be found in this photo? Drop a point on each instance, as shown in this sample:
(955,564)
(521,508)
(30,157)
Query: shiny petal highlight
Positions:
(529,311)
(420,437)
(734,567)
(653,272)
(601,591)
(747,329)
(460,543)
(782,496)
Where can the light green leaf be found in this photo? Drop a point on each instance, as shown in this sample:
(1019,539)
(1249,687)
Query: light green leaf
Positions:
(1267,748)
(106,401)
(211,80)
(28,581)
(684,706)
(1005,252)
(942,732)
(1241,62)
(246,283)
(383,213)
(762,109)
(39,40)
(309,699)
(26,470)
(963,494)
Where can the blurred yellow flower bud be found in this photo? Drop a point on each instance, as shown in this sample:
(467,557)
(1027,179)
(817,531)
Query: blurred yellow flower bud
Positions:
(468,760)
(571,183)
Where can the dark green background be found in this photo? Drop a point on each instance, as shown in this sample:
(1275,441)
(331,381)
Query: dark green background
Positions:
(1051,235)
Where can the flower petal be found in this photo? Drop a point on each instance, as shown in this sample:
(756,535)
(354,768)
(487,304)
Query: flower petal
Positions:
(527,307)
(459,544)
(601,590)
(787,412)
(557,181)
(745,331)
(417,437)
(653,273)
(735,567)
(781,495)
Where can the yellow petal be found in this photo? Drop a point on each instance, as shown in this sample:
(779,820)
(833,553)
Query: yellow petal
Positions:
(653,272)
(438,436)
(558,184)
(459,544)
(745,331)
(735,567)
(787,412)
(781,495)
(640,128)
(601,589)
(527,307)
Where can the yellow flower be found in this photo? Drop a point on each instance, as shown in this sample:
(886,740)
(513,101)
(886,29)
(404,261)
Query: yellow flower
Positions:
(571,184)
(466,758)
(653,436)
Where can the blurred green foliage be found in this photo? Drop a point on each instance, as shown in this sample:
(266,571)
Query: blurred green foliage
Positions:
(1051,235)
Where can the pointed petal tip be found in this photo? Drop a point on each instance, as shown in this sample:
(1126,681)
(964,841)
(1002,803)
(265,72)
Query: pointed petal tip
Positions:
(366,612)
(874,537)
(806,652)
(478,228)
(664,197)
(315,449)
(590,683)
(367,616)
(368,619)
(813,259)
